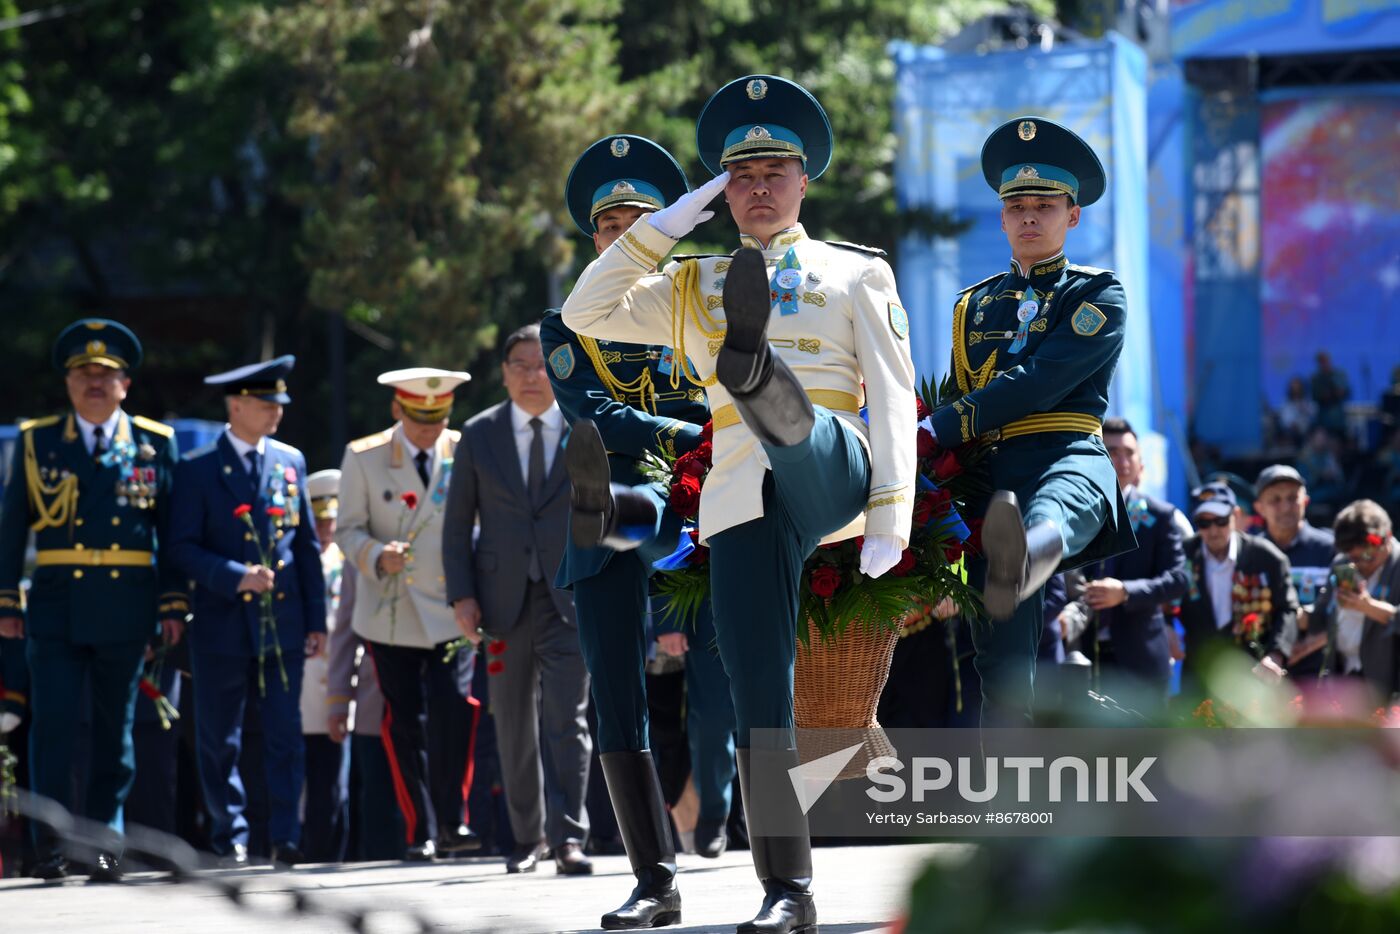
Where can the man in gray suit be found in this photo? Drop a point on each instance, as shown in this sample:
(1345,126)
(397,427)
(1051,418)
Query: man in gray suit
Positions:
(509,477)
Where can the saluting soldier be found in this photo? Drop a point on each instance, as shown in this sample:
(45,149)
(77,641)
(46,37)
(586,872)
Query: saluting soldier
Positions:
(1034,349)
(782,335)
(242,530)
(94,486)
(393,493)
(618,399)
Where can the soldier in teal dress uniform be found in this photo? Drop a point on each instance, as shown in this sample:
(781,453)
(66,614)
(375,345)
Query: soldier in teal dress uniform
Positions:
(1034,349)
(94,487)
(790,337)
(618,399)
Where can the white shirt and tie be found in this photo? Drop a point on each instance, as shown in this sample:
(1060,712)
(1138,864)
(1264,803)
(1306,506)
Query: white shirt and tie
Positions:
(424,462)
(243,449)
(1220,581)
(90,432)
(551,430)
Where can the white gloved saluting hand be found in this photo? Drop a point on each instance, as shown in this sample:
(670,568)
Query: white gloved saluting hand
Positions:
(878,554)
(677,220)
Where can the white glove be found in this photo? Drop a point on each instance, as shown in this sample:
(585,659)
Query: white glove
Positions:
(677,220)
(8,721)
(879,554)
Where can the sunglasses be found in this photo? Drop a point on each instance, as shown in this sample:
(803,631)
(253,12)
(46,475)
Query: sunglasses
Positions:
(1209,522)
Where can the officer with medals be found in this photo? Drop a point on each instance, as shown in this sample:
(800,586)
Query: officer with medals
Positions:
(393,493)
(782,335)
(94,486)
(1034,349)
(618,399)
(242,530)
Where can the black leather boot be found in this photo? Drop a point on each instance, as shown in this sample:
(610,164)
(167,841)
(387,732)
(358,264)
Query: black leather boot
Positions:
(783,863)
(637,800)
(769,398)
(711,838)
(603,513)
(1019,560)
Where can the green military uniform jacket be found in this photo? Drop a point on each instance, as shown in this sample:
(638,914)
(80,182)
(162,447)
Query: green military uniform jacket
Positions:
(1038,388)
(97,525)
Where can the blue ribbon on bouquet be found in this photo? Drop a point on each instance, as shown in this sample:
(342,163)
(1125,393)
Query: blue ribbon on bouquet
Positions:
(678,558)
(951,523)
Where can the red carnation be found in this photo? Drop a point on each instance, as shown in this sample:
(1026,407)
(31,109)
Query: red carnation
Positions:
(1374,540)
(410,499)
(691,465)
(707,432)
(495,647)
(685,495)
(941,500)
(276,512)
(149,688)
(825,581)
(905,565)
(926,444)
(1250,625)
(946,466)
(705,453)
(922,409)
(241,510)
(495,666)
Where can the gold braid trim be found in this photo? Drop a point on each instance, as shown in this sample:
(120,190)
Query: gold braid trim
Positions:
(641,388)
(686,301)
(55,505)
(968,378)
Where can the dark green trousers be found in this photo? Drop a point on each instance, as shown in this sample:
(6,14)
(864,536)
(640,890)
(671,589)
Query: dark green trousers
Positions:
(813,489)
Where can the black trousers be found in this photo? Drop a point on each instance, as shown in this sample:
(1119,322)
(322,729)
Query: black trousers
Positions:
(326,820)
(429,731)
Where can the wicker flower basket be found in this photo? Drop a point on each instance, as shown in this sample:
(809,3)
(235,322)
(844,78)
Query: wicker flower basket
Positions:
(837,687)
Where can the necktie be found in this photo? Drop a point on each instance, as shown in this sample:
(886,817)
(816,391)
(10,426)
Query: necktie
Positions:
(421,461)
(99,443)
(535,482)
(254,466)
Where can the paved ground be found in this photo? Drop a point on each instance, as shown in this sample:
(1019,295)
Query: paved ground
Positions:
(858,889)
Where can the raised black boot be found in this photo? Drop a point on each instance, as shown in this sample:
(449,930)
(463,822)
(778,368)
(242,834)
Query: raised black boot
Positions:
(603,513)
(769,398)
(635,791)
(1019,560)
(783,863)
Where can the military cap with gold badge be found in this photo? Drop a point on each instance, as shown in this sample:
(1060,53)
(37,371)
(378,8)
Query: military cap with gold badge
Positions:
(323,487)
(1034,156)
(763,116)
(618,171)
(266,380)
(424,393)
(97,340)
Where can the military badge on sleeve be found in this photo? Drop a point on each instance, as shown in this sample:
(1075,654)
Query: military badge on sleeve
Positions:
(899,321)
(562,361)
(1087,320)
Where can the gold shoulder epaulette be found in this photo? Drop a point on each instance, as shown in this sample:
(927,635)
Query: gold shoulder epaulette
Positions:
(44,422)
(977,285)
(153,426)
(370,442)
(1090,270)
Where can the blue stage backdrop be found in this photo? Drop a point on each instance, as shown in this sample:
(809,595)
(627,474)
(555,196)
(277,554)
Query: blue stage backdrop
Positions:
(944,108)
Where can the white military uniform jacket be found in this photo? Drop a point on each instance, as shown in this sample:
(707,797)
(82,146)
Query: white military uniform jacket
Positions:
(849,328)
(375,473)
(314,707)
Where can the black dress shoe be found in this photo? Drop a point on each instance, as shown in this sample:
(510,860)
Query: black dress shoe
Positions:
(235,858)
(458,840)
(570,861)
(289,854)
(526,858)
(50,867)
(107,868)
(711,840)
(783,912)
(420,852)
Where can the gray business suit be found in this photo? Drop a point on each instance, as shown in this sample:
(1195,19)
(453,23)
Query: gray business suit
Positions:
(544,684)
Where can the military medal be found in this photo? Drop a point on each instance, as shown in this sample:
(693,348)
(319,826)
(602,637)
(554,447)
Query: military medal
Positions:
(783,286)
(146,451)
(1025,314)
